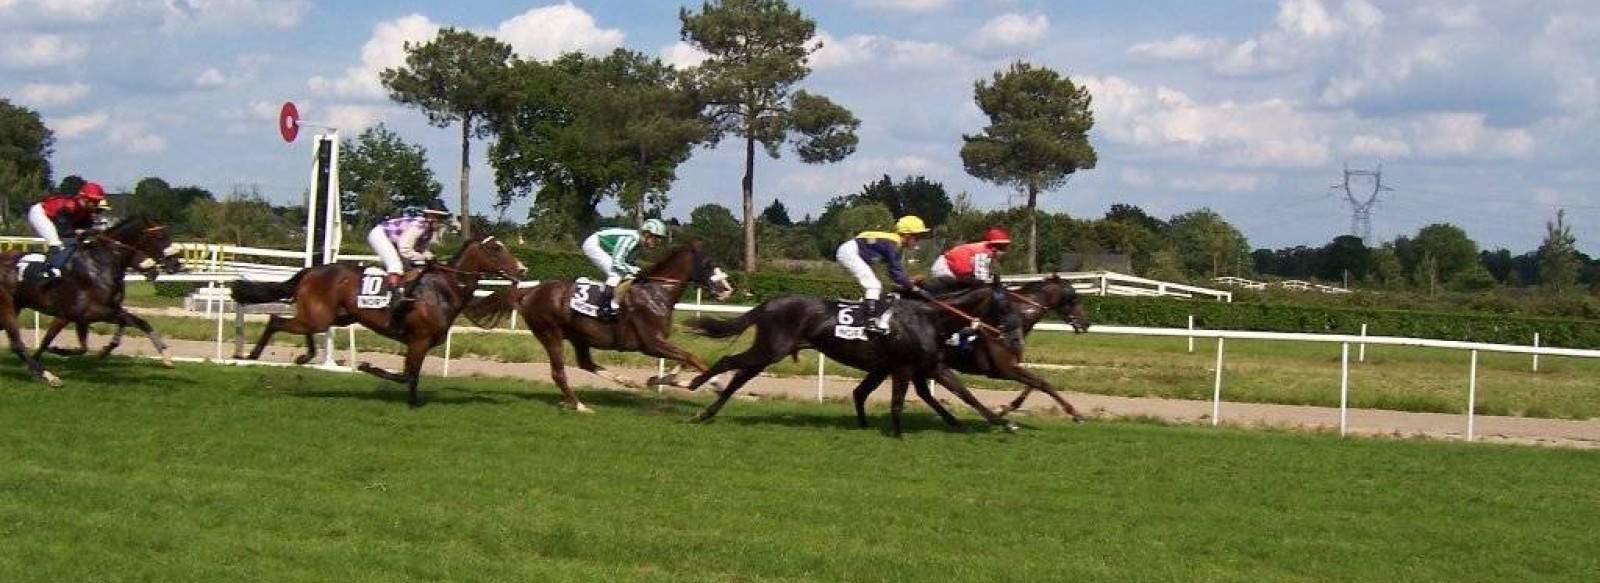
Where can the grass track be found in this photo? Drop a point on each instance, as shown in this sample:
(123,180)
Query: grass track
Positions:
(212,473)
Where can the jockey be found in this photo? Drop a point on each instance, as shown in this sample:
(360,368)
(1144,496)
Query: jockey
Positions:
(858,253)
(59,213)
(973,260)
(405,241)
(612,251)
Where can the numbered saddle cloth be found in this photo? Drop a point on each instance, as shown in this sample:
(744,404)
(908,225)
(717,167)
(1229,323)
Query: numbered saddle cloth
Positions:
(373,295)
(30,266)
(850,317)
(587,295)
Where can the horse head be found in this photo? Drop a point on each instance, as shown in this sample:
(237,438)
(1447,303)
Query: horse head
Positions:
(151,240)
(1067,304)
(710,275)
(489,256)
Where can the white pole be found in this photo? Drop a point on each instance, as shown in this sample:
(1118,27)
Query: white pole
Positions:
(351,362)
(1535,355)
(1361,352)
(820,360)
(219,333)
(1344,387)
(1216,391)
(36,333)
(448,335)
(513,319)
(1472,393)
(1191,336)
(330,226)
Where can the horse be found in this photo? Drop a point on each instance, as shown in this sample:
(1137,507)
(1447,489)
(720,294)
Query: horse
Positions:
(8,320)
(909,353)
(986,356)
(325,296)
(643,321)
(92,286)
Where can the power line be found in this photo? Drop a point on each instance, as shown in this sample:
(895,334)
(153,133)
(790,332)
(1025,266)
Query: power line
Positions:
(1361,208)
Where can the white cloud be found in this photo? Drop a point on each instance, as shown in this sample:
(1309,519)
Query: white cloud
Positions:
(1009,31)
(683,55)
(1305,31)
(210,78)
(1185,47)
(1464,135)
(352,119)
(1370,146)
(547,32)
(385,49)
(1266,133)
(39,50)
(1218,182)
(881,51)
(52,94)
(79,125)
(212,14)
(848,176)
(134,138)
(914,6)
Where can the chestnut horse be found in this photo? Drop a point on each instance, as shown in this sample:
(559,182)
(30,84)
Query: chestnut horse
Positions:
(910,353)
(8,320)
(643,321)
(992,358)
(324,296)
(92,287)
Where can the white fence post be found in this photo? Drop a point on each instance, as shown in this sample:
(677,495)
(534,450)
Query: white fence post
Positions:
(1472,393)
(1216,390)
(1535,355)
(1344,386)
(1361,352)
(820,380)
(1191,336)
(448,335)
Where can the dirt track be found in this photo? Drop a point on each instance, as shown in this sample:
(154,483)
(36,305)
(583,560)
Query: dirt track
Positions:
(1555,432)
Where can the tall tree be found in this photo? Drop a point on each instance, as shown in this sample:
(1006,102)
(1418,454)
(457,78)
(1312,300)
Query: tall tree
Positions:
(579,130)
(25,148)
(241,218)
(1037,137)
(776,214)
(1438,253)
(1207,246)
(1344,259)
(717,229)
(758,51)
(453,78)
(1558,256)
(913,195)
(380,173)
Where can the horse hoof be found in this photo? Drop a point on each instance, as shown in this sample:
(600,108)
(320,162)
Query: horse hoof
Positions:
(301,360)
(1079,419)
(167,363)
(1010,427)
(51,379)
(700,419)
(584,409)
(1004,410)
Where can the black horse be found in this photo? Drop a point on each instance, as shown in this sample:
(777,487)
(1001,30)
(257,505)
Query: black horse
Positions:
(909,353)
(8,320)
(990,357)
(92,287)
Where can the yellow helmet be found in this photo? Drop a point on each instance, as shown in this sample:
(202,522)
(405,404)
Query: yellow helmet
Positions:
(910,225)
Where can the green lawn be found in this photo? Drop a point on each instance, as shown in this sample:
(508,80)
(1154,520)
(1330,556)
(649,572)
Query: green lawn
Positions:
(137,473)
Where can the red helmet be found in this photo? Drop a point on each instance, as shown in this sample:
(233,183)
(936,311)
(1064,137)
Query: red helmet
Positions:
(997,236)
(92,191)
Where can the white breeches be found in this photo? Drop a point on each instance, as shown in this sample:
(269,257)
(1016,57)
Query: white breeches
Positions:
(849,255)
(602,260)
(941,268)
(385,249)
(42,225)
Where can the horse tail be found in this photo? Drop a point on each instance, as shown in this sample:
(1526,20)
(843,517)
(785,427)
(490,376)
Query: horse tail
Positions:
(493,310)
(261,292)
(725,327)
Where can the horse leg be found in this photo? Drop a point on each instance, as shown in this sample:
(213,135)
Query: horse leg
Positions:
(82,342)
(552,340)
(947,379)
(116,338)
(416,352)
(924,393)
(897,401)
(49,336)
(125,319)
(659,347)
(274,322)
(738,380)
(14,338)
(586,362)
(1032,382)
(863,390)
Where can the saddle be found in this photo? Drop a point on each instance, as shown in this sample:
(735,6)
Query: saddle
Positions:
(588,294)
(852,317)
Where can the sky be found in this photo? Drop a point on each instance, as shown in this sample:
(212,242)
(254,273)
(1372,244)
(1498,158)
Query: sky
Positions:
(1483,114)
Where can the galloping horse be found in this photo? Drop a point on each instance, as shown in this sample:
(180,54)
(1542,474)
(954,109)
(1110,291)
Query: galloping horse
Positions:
(642,325)
(92,286)
(8,320)
(998,360)
(325,296)
(909,353)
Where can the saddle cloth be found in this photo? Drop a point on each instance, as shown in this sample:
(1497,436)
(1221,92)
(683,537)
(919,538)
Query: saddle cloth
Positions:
(851,319)
(587,293)
(373,294)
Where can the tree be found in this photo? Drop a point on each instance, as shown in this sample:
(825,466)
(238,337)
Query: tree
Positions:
(1437,254)
(1037,137)
(25,148)
(776,214)
(453,78)
(1558,256)
(718,230)
(380,173)
(242,218)
(757,51)
(1207,245)
(579,130)
(1345,257)
(912,196)
(833,229)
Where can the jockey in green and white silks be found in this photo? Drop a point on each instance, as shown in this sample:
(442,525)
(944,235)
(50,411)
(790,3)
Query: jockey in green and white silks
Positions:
(612,251)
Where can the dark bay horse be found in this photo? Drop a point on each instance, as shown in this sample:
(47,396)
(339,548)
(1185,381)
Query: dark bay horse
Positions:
(324,296)
(643,322)
(987,356)
(8,320)
(92,287)
(909,354)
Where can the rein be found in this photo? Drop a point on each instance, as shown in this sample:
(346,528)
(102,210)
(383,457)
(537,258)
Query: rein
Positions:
(1026,300)
(977,323)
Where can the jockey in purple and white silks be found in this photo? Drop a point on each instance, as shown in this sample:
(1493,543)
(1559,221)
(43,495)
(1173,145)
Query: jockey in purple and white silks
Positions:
(407,241)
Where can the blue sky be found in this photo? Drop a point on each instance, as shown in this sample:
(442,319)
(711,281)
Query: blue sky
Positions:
(1482,114)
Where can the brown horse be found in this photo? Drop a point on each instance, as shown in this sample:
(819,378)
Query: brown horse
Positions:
(324,296)
(996,359)
(8,320)
(643,322)
(92,286)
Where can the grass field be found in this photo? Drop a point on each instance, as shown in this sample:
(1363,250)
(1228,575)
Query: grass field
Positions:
(137,473)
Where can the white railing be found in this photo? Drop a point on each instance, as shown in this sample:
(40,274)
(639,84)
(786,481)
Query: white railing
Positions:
(1112,283)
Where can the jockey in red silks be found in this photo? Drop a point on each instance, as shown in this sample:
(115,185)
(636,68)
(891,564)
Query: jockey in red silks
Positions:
(71,214)
(973,260)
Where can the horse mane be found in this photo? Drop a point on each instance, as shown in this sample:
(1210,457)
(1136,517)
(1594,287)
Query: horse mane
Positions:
(667,262)
(129,221)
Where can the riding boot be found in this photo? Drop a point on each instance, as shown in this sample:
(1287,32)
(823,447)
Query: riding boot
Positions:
(607,312)
(396,288)
(873,308)
(55,260)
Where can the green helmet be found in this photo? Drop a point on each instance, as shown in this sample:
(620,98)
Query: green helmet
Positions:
(654,227)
